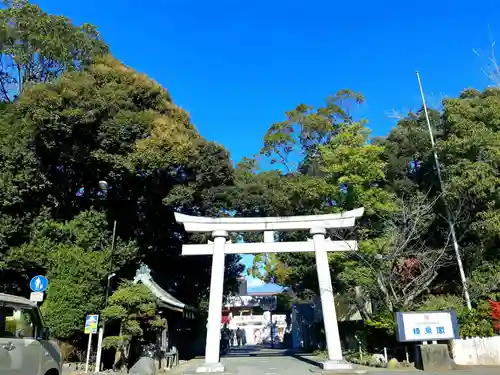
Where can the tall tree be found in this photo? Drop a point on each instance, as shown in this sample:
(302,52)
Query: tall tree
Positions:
(110,123)
(38,47)
(335,169)
(408,153)
(472,161)
(75,256)
(467,138)
(397,268)
(294,143)
(354,173)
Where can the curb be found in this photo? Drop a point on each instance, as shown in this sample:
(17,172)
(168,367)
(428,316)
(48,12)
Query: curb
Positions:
(361,369)
(184,366)
(316,362)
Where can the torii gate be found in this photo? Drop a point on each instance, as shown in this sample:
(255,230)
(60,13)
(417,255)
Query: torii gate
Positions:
(317,226)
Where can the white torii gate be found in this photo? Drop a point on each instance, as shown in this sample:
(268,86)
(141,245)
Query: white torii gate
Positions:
(317,226)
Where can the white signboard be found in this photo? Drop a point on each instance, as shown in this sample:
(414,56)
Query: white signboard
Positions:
(242,301)
(426,326)
(250,301)
(36,296)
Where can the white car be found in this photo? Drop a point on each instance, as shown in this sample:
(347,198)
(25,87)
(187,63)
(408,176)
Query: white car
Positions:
(25,344)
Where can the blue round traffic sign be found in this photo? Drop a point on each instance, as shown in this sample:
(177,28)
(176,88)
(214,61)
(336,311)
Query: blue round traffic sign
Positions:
(39,283)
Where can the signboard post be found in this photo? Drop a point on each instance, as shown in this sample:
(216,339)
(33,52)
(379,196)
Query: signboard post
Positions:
(426,326)
(38,286)
(90,329)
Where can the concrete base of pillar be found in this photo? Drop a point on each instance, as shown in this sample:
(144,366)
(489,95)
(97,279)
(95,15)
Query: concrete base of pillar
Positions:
(210,367)
(332,365)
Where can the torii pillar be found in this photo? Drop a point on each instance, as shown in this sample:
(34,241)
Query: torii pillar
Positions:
(317,226)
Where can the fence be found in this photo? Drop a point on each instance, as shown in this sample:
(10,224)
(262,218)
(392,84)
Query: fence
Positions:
(477,351)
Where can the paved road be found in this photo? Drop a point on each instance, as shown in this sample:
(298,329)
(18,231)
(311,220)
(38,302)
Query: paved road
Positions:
(257,361)
(260,361)
(266,366)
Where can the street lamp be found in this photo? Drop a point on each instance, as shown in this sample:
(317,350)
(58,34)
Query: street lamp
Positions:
(103,185)
(110,276)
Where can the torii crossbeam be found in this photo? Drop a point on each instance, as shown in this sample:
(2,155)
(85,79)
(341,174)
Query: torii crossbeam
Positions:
(317,226)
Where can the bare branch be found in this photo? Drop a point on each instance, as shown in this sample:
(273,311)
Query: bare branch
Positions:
(492,69)
(406,266)
(395,114)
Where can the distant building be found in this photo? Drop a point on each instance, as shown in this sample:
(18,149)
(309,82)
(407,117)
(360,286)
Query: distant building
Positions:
(244,311)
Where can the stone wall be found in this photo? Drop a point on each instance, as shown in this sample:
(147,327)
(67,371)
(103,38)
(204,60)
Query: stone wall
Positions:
(477,351)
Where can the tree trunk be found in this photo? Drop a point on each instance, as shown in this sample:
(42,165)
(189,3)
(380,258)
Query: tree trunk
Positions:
(119,354)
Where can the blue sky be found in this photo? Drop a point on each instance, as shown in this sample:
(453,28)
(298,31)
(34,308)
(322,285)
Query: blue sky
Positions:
(236,66)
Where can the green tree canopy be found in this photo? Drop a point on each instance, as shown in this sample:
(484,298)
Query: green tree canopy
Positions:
(135,308)
(110,123)
(338,169)
(38,47)
(75,257)
(467,137)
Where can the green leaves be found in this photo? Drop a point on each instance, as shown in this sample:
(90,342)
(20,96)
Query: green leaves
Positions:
(338,170)
(115,341)
(134,306)
(357,169)
(109,122)
(75,256)
(471,323)
(133,295)
(72,115)
(114,312)
(467,143)
(298,137)
(38,47)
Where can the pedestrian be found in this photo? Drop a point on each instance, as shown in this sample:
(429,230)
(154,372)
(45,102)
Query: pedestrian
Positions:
(224,340)
(239,336)
(231,337)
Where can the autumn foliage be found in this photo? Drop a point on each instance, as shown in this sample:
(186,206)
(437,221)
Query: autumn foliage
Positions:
(495,314)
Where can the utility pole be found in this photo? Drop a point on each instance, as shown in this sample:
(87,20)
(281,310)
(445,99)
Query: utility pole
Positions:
(103,321)
(103,185)
(443,191)
(113,239)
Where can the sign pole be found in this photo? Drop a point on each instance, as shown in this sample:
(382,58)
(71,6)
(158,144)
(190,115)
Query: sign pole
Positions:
(91,322)
(99,350)
(89,348)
